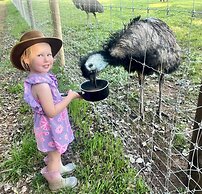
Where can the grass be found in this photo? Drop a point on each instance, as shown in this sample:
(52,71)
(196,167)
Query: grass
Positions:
(21,160)
(118,176)
(15,89)
(102,167)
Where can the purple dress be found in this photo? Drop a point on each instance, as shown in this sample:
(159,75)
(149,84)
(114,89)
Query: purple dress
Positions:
(51,133)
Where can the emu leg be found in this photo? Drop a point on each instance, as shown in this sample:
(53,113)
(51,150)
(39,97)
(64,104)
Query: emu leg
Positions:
(161,81)
(87,18)
(141,78)
(95,18)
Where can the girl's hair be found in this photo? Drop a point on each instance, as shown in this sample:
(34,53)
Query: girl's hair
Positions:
(24,55)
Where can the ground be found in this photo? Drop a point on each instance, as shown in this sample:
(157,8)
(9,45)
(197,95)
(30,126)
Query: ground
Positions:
(3,133)
(9,103)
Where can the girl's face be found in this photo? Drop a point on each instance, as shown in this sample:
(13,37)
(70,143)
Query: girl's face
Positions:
(40,59)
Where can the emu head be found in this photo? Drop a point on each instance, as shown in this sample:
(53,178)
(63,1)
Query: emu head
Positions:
(92,64)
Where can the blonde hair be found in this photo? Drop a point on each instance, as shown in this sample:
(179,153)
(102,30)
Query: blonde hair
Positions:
(24,55)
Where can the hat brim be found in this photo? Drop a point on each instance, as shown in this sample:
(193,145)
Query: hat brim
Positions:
(19,48)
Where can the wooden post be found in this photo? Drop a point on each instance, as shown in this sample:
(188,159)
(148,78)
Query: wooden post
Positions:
(22,10)
(195,154)
(55,12)
(31,15)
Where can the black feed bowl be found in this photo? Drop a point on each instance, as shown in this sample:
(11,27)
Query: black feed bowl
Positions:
(91,93)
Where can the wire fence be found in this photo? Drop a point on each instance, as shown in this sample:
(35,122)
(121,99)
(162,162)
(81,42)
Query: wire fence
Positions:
(163,152)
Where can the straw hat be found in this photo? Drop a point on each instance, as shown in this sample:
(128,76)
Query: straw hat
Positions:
(28,39)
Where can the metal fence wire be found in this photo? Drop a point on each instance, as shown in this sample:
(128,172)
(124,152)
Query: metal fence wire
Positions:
(167,153)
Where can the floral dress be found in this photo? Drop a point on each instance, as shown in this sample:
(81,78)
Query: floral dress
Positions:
(51,133)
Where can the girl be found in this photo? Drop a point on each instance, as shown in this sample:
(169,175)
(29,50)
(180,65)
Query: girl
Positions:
(53,133)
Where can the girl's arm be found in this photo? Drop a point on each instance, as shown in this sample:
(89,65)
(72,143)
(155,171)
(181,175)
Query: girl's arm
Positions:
(43,93)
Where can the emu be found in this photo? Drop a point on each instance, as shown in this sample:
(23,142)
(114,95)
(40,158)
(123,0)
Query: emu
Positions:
(145,46)
(89,6)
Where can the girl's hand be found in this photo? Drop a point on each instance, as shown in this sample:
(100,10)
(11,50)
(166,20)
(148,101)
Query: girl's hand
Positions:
(72,94)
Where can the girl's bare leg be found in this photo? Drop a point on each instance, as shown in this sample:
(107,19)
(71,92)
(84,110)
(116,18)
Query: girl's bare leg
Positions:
(54,161)
(63,169)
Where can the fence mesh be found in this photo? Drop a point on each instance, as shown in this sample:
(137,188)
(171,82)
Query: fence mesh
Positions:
(159,150)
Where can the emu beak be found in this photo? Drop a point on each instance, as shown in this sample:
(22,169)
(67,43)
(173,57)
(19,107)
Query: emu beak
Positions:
(93,78)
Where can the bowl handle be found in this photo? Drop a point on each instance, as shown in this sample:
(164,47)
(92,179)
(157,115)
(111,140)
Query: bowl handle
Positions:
(79,92)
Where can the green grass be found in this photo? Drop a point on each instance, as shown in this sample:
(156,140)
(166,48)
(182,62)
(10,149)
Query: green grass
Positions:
(102,167)
(21,160)
(15,89)
(103,156)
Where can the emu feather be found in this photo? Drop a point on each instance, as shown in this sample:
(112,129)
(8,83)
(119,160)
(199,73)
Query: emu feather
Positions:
(89,6)
(145,46)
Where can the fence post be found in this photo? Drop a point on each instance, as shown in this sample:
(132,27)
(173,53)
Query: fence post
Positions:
(55,13)
(195,154)
(22,10)
(30,12)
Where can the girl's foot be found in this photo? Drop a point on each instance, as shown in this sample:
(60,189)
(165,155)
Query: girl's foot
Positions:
(67,169)
(70,182)
(56,181)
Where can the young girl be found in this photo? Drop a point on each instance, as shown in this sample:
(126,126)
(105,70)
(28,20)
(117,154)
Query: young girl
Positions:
(53,133)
